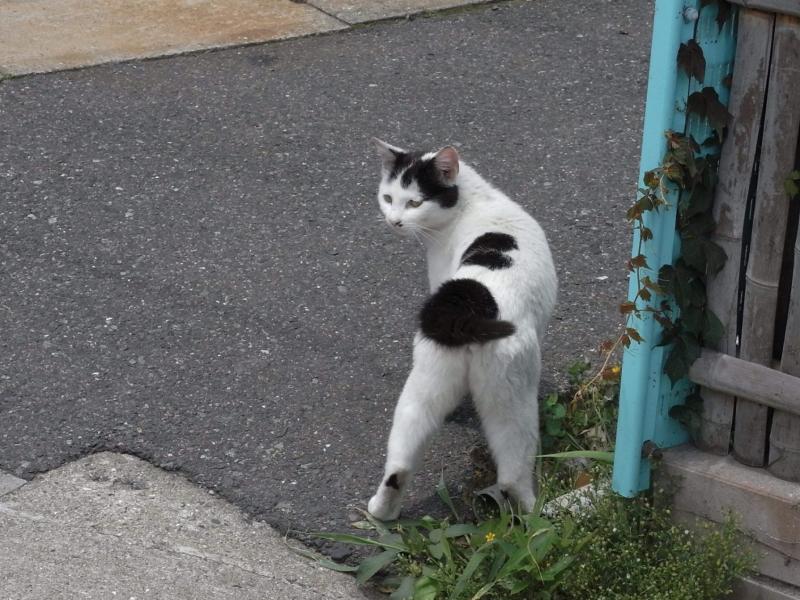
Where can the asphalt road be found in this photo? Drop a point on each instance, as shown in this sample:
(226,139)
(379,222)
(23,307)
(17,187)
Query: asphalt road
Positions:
(191,265)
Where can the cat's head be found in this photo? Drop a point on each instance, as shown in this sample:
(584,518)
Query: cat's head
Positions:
(418,190)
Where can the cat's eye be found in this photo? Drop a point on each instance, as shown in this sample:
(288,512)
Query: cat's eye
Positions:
(414,203)
(387,198)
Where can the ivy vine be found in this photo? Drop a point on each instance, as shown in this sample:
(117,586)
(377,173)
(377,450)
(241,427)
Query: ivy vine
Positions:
(677,297)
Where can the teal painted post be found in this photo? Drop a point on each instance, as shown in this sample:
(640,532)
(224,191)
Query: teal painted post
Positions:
(646,394)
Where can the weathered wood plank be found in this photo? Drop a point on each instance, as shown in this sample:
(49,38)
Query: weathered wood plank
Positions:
(753,47)
(784,440)
(779,141)
(787,7)
(744,379)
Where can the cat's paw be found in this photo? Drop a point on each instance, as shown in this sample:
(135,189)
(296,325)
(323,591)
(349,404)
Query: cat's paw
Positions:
(384,507)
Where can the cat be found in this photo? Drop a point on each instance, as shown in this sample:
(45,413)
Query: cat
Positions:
(493,288)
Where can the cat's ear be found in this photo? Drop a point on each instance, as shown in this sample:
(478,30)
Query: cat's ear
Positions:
(446,163)
(387,152)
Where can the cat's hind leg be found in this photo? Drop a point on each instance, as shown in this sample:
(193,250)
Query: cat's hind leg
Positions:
(505,397)
(436,384)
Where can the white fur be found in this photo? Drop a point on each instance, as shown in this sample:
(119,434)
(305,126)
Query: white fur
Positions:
(502,376)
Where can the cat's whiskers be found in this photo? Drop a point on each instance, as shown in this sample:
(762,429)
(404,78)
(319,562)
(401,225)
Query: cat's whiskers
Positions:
(421,235)
(427,232)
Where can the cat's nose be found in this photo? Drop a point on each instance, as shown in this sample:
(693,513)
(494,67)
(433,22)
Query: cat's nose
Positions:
(397,223)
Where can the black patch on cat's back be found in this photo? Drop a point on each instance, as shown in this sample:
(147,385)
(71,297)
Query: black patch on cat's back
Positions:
(489,250)
(424,172)
(461,312)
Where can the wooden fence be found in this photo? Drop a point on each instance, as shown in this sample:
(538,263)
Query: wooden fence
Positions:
(751,381)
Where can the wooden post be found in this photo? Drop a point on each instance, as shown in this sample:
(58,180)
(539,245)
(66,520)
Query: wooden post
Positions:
(735,171)
(779,141)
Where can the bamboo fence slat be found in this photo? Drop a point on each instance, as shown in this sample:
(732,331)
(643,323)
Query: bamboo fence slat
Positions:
(738,156)
(781,121)
(784,449)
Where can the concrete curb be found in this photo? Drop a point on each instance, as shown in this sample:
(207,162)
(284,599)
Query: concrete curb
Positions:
(112,525)
(9,483)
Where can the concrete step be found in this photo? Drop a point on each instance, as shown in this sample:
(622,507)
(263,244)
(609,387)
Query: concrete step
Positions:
(763,588)
(709,486)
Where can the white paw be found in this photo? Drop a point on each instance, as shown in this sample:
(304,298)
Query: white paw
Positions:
(383,507)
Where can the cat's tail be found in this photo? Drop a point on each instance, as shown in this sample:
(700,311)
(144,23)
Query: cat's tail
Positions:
(461,312)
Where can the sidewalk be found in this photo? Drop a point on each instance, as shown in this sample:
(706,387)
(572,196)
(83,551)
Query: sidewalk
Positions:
(114,526)
(41,36)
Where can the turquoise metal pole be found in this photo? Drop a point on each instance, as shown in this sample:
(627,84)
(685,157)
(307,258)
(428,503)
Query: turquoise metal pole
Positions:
(636,383)
(646,394)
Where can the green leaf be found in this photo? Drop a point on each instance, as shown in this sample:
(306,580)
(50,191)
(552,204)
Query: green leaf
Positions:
(676,366)
(373,564)
(715,257)
(497,564)
(472,565)
(691,60)
(665,276)
(692,252)
(591,454)
(696,103)
(426,588)
(692,321)
(541,543)
(716,112)
(553,571)
(687,416)
(713,329)
(691,345)
(405,591)
(699,201)
(444,495)
(436,550)
(484,590)
(723,13)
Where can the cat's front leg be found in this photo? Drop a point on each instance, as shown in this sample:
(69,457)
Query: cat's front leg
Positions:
(434,387)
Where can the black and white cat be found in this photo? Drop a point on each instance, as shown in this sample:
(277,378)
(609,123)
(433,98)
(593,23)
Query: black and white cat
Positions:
(493,288)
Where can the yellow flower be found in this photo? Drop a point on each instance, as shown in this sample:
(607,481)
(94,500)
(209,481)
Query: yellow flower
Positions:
(490,537)
(615,370)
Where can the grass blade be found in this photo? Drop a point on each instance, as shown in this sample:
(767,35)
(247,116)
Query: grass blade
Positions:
(468,571)
(405,590)
(323,562)
(393,542)
(373,564)
(441,490)
(607,457)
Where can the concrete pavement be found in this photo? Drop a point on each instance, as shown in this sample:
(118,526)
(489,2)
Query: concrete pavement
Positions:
(114,526)
(191,266)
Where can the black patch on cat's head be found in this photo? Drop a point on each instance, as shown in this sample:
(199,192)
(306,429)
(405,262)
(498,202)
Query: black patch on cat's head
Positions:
(402,161)
(424,172)
(392,482)
(489,250)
